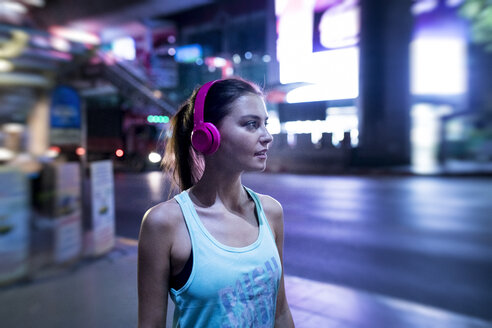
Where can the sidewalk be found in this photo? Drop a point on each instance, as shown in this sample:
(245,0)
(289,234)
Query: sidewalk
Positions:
(102,293)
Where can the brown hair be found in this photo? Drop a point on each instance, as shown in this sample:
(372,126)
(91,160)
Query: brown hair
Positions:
(181,161)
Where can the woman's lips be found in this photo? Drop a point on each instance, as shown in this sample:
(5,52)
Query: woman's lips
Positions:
(261,154)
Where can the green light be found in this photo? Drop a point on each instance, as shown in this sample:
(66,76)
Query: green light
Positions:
(157,119)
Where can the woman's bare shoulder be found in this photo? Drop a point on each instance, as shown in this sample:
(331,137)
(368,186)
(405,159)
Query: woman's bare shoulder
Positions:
(162,218)
(273,209)
(274,213)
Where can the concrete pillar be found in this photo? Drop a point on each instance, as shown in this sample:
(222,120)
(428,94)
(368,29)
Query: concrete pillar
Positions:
(38,123)
(479,79)
(384,91)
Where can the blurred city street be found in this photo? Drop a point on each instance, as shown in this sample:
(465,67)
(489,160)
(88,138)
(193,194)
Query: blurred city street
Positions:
(360,251)
(381,118)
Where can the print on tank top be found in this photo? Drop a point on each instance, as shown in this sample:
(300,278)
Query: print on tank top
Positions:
(251,302)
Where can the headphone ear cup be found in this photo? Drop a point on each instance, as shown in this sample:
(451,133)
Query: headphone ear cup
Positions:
(215,134)
(205,138)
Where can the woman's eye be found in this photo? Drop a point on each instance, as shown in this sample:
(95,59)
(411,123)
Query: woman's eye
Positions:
(252,124)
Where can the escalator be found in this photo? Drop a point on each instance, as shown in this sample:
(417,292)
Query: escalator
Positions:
(136,87)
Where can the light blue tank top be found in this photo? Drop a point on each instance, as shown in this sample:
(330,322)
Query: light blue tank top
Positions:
(228,286)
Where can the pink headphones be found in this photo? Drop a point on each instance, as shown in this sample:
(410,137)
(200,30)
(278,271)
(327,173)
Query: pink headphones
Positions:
(205,137)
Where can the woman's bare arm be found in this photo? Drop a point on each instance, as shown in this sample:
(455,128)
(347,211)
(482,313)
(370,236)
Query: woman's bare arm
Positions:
(154,251)
(274,212)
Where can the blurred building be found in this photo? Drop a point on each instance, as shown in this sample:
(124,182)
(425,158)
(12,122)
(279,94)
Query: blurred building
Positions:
(397,83)
(348,83)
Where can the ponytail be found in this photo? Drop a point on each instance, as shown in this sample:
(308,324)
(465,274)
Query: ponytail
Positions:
(182,163)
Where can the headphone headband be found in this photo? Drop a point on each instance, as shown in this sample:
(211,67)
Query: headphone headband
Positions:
(199,107)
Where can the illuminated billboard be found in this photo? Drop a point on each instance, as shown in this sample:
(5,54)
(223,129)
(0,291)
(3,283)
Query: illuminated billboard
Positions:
(438,52)
(317,44)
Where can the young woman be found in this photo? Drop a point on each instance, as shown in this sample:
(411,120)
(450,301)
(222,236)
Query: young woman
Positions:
(217,246)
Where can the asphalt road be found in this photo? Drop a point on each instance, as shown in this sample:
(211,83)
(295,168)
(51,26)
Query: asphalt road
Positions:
(422,239)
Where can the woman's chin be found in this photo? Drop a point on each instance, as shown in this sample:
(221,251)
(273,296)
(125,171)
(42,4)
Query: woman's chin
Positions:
(257,168)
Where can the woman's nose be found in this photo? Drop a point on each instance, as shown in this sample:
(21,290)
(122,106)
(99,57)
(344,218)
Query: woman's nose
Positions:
(266,137)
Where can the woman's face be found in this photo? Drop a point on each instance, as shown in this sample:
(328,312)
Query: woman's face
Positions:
(244,138)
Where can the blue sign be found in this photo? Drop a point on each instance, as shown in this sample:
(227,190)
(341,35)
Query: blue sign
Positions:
(65,108)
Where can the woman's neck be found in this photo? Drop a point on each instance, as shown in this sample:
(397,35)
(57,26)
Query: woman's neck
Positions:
(223,186)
